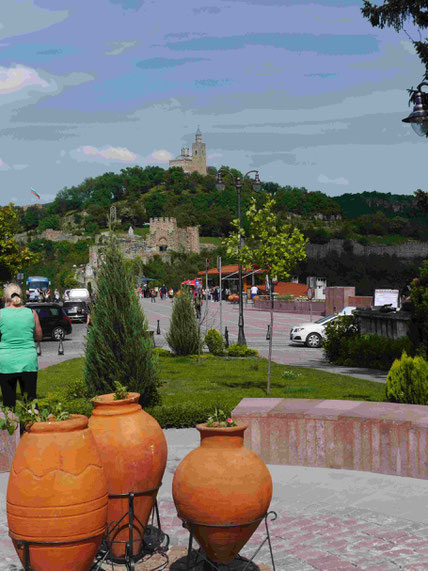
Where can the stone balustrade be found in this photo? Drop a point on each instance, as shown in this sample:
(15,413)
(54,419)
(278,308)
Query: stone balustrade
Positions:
(377,437)
(8,444)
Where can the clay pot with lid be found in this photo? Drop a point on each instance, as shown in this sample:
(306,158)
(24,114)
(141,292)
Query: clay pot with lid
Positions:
(222,484)
(133,452)
(57,493)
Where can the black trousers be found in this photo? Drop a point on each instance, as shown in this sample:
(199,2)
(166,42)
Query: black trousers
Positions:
(27,384)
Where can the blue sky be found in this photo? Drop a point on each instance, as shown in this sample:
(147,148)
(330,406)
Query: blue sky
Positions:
(306,91)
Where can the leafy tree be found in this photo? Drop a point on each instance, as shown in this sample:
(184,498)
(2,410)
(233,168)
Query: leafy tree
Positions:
(269,244)
(49,222)
(395,13)
(118,344)
(183,335)
(419,298)
(13,256)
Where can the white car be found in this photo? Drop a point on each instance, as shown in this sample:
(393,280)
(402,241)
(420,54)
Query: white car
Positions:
(312,333)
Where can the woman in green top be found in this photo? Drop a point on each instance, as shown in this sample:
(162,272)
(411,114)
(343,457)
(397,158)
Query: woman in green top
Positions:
(19,326)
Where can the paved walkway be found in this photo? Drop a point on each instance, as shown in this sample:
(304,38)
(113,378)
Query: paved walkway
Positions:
(327,519)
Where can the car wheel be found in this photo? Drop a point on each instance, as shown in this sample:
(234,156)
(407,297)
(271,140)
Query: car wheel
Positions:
(313,340)
(58,333)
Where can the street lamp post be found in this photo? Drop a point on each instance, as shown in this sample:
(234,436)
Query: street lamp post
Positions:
(418,118)
(237,182)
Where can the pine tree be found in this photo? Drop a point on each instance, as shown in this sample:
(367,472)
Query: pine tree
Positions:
(183,335)
(118,346)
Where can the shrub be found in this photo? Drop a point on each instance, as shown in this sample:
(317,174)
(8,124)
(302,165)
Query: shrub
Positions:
(118,346)
(185,414)
(237,350)
(183,335)
(337,334)
(371,351)
(162,352)
(407,381)
(214,342)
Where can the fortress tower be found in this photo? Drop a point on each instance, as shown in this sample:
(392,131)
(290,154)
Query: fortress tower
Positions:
(197,161)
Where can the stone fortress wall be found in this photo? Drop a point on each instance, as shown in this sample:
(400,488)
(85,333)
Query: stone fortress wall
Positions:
(406,251)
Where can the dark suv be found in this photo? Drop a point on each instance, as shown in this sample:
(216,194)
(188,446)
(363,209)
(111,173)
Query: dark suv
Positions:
(53,320)
(76,310)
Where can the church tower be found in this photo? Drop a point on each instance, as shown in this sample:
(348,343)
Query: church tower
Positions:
(199,154)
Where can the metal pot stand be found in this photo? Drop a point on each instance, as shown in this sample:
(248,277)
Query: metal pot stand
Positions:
(196,557)
(155,541)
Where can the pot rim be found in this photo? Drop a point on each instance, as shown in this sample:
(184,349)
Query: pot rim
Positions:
(240,427)
(108,400)
(76,422)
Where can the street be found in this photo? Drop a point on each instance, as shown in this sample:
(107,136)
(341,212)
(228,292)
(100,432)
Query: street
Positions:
(256,323)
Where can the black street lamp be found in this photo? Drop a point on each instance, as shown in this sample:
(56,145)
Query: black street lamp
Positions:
(237,183)
(418,118)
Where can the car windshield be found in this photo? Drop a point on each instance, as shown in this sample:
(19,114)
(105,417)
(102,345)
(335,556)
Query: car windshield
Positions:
(74,304)
(38,285)
(325,319)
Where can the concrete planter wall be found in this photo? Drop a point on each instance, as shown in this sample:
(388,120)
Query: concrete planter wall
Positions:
(8,444)
(386,438)
(318,307)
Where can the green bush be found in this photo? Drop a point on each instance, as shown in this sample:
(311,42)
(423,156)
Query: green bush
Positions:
(185,415)
(161,352)
(237,350)
(337,335)
(407,381)
(214,342)
(183,335)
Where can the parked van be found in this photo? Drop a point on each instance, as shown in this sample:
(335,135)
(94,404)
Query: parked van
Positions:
(79,293)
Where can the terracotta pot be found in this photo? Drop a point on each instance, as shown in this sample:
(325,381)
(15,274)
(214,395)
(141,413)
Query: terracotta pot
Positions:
(57,492)
(222,483)
(256,298)
(133,451)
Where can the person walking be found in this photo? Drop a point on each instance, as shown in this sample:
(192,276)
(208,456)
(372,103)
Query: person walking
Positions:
(19,328)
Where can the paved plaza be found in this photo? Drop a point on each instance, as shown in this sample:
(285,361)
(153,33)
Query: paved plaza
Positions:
(327,519)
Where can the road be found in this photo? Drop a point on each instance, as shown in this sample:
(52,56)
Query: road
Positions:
(256,323)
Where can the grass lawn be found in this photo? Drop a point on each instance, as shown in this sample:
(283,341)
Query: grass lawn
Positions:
(191,390)
(216,240)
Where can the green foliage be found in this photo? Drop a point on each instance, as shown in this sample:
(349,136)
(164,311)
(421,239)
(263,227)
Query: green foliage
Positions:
(183,335)
(407,381)
(220,419)
(28,413)
(120,392)
(118,344)
(337,334)
(237,350)
(370,351)
(396,14)
(13,256)
(419,298)
(214,342)
(51,221)
(268,243)
(184,415)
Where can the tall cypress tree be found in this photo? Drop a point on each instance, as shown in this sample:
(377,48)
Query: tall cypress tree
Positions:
(183,335)
(118,346)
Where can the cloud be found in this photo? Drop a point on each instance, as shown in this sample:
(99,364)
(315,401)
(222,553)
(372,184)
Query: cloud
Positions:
(214,156)
(19,77)
(120,47)
(105,155)
(4,166)
(160,156)
(19,18)
(163,63)
(325,180)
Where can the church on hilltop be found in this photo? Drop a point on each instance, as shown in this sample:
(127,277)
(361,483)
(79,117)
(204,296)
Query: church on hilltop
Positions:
(195,162)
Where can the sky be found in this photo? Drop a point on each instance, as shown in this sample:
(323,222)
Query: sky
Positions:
(305,91)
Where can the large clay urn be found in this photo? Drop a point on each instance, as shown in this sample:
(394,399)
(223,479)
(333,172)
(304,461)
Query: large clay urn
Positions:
(222,483)
(133,451)
(57,493)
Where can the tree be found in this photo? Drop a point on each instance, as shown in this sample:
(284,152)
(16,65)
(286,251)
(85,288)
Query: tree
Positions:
(183,335)
(118,345)
(419,298)
(393,13)
(13,256)
(269,244)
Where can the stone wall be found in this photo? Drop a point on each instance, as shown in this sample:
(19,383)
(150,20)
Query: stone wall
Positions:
(337,297)
(58,236)
(406,251)
(165,232)
(392,325)
(386,438)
